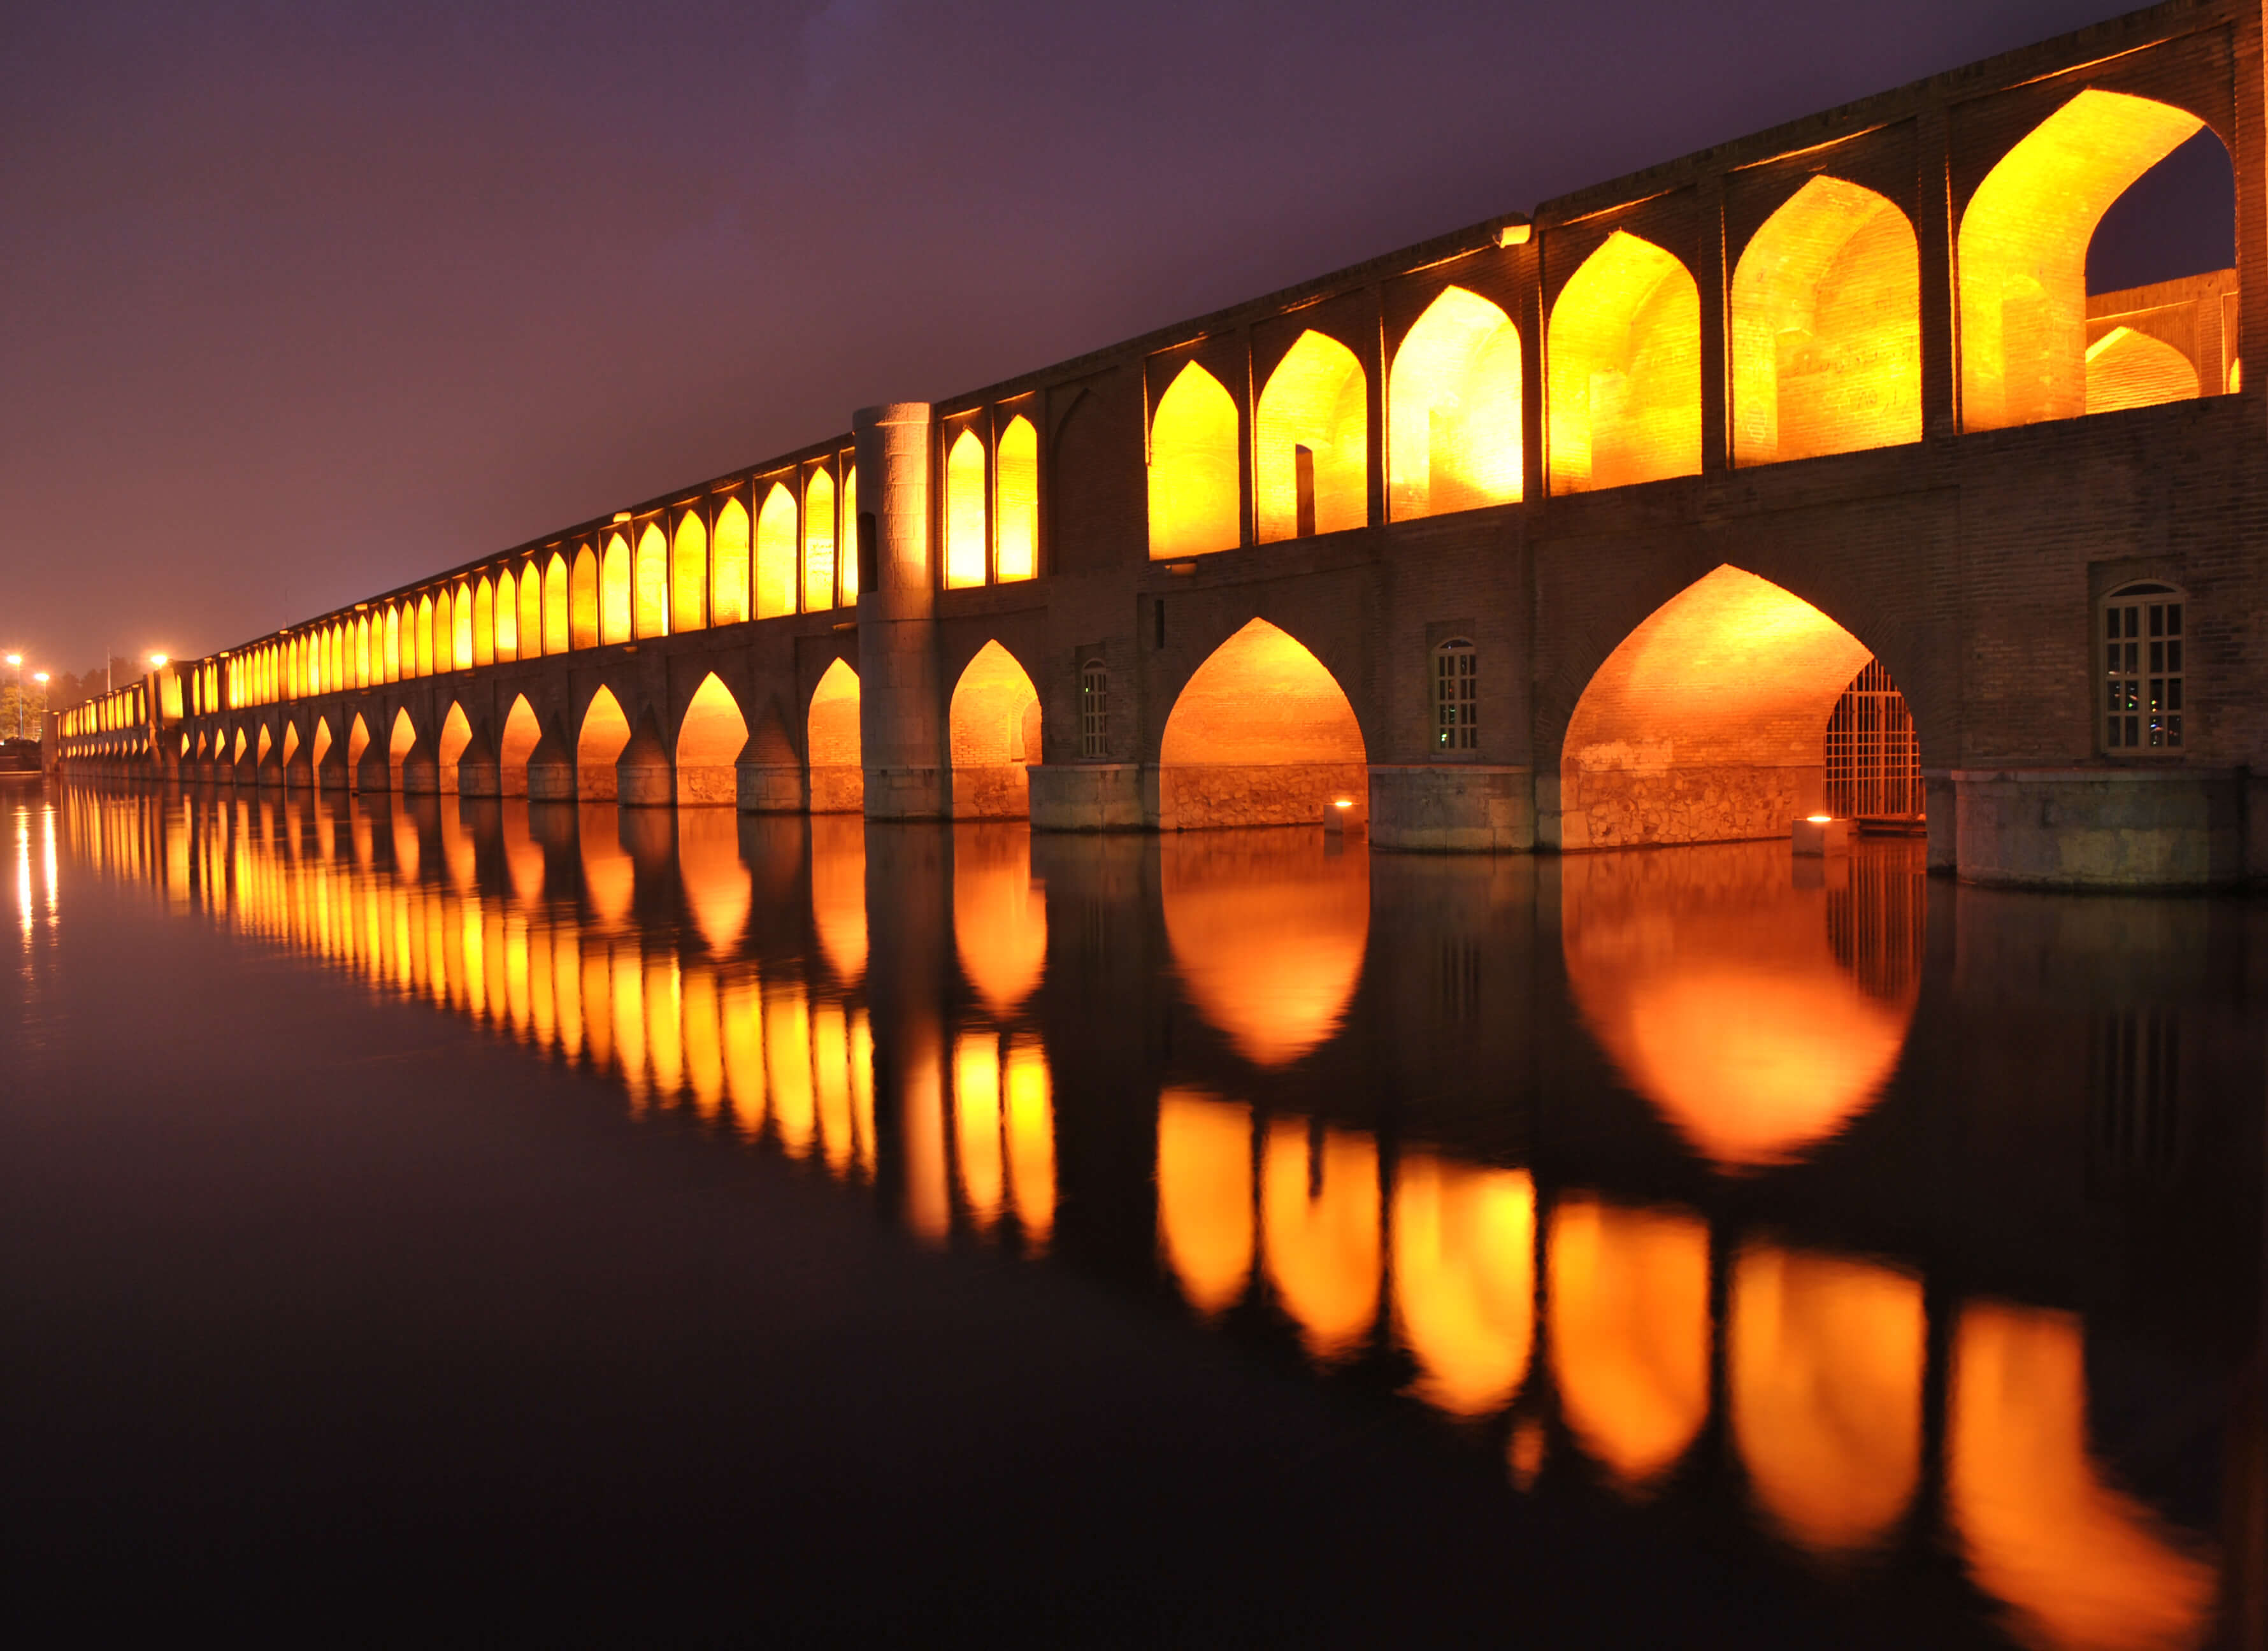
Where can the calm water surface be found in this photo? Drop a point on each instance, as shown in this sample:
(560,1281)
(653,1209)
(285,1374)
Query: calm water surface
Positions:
(463,1212)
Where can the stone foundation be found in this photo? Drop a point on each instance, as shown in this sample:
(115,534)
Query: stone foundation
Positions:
(1628,808)
(991,792)
(838,788)
(2101,828)
(1462,809)
(1101,796)
(1196,797)
(716,785)
(771,788)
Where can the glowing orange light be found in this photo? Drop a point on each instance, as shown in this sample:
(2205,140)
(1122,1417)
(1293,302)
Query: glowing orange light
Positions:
(1319,1224)
(1194,470)
(1624,355)
(1464,1279)
(1204,1196)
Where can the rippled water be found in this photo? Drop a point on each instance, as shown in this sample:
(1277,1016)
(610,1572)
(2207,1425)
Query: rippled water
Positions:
(1780,1237)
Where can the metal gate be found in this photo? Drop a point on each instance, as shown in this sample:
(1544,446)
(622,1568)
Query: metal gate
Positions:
(1873,762)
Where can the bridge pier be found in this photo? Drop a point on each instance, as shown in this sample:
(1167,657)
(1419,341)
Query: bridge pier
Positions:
(551,775)
(902,725)
(644,777)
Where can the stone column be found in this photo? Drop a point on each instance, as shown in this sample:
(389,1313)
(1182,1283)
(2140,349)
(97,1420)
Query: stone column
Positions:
(900,715)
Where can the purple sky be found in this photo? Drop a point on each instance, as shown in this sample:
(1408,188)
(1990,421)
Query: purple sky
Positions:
(303,300)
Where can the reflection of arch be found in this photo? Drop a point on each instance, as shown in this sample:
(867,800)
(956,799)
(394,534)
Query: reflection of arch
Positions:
(1000,915)
(689,574)
(1204,1196)
(728,569)
(1708,722)
(710,869)
(2078,1562)
(1311,448)
(456,734)
(1261,701)
(709,742)
(838,781)
(966,552)
(650,583)
(1016,500)
(1194,507)
(838,892)
(1629,1301)
(618,602)
(1464,1279)
(819,542)
(2022,255)
(1319,1196)
(606,730)
(1623,359)
(1824,1361)
(1719,989)
(521,734)
(1267,936)
(1826,319)
(1452,409)
(994,728)
(2126,368)
(583,600)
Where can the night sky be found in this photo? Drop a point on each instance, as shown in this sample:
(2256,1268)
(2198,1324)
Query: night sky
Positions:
(304,300)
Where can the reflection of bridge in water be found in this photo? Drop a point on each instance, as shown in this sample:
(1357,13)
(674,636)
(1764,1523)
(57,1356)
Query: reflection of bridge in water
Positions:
(1261,1125)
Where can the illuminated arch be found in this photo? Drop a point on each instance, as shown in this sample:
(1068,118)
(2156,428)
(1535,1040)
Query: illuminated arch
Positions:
(503,632)
(460,625)
(1319,1223)
(456,734)
(1826,325)
(1464,1279)
(389,669)
(994,725)
(553,626)
(850,513)
(605,731)
(616,603)
(967,554)
(776,554)
(2023,252)
(290,744)
(259,755)
(1016,501)
(1261,701)
(650,574)
(399,741)
(1624,353)
(321,744)
(583,600)
(1452,409)
(1194,470)
(689,574)
(1204,1196)
(527,617)
(444,631)
(832,746)
(729,567)
(424,636)
(818,542)
(2126,368)
(521,735)
(709,742)
(361,653)
(479,634)
(1312,452)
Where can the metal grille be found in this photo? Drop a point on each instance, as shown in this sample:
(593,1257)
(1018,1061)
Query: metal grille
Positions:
(1873,762)
(1094,712)
(2142,670)
(1876,920)
(1456,697)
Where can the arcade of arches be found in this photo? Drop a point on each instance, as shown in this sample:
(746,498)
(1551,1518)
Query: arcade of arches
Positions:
(1262,735)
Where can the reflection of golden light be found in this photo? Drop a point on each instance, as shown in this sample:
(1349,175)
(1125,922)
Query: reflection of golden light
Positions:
(1204,1196)
(1268,935)
(1319,1213)
(1453,409)
(787,1067)
(665,1036)
(830,1064)
(862,1086)
(608,877)
(1312,450)
(838,892)
(2079,1564)
(976,1120)
(1711,980)
(709,742)
(741,1013)
(567,985)
(1824,1360)
(1194,472)
(1000,915)
(1031,1140)
(929,1208)
(1629,1295)
(1464,1279)
(710,869)
(627,996)
(1524,1451)
(1623,358)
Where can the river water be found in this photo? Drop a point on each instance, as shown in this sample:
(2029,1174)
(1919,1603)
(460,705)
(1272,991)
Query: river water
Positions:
(456,1214)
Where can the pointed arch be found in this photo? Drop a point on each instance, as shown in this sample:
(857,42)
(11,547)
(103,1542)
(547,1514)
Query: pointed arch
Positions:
(1311,446)
(849,557)
(818,542)
(456,734)
(1452,409)
(528,642)
(605,731)
(709,742)
(1262,701)
(1194,473)
(362,652)
(401,738)
(1624,352)
(503,634)
(2023,252)
(776,554)
(650,576)
(426,658)
(478,647)
(689,574)
(389,667)
(552,628)
(617,598)
(1826,319)
(968,555)
(521,735)
(832,747)
(321,744)
(1016,500)
(582,601)
(728,594)
(460,625)
(444,631)
(260,756)
(2127,368)
(994,722)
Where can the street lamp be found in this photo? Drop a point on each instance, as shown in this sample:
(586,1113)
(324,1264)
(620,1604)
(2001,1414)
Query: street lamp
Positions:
(157,662)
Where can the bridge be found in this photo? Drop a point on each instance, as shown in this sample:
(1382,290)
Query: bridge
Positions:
(1804,473)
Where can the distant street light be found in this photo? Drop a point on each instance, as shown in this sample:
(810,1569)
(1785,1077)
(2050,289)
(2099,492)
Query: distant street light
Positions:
(157,662)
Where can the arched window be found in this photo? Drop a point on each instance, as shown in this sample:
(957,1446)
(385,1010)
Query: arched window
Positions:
(1312,463)
(1194,506)
(425,637)
(850,532)
(2143,670)
(507,631)
(818,542)
(557,634)
(614,600)
(392,669)
(1094,710)
(1456,696)
(460,620)
(1452,409)
(1874,761)
(479,645)
(650,576)
(583,600)
(689,576)
(1623,370)
(776,554)
(966,553)
(1016,492)
(728,566)
(528,638)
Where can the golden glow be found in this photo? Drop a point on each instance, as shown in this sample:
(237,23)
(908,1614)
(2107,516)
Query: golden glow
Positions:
(1312,453)
(521,734)
(1194,471)
(1260,733)
(615,600)
(1029,1096)
(1824,1361)
(527,616)
(977,1125)
(832,743)
(606,730)
(1452,409)
(2079,1564)
(553,628)
(966,553)
(709,742)
(838,892)
(1715,986)
(709,870)
(1204,1196)
(994,725)
(2126,368)
(480,640)
(507,617)
(1267,936)
(651,576)
(1826,338)
(689,574)
(776,554)
(819,542)
(583,600)
(2022,258)
(1624,357)
(729,572)
(404,737)
(1016,488)
(1464,1279)
(456,734)
(1319,1199)
(999,915)
(461,627)
(850,535)
(1629,1303)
